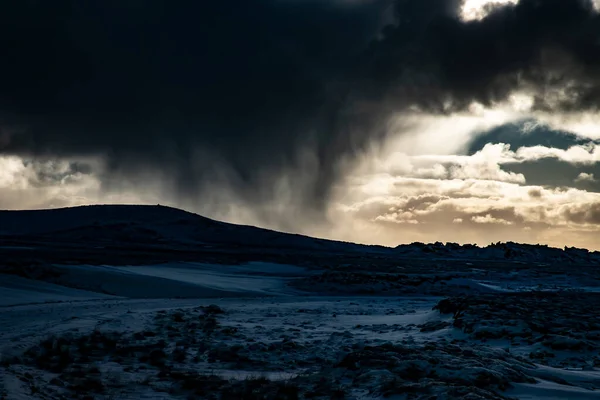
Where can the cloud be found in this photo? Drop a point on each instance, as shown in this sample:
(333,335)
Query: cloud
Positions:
(258,100)
(16,173)
(488,219)
(585,214)
(239,96)
(292,114)
(539,47)
(479,9)
(527,132)
(45,183)
(554,170)
(482,165)
(585,177)
(486,211)
(586,154)
(398,218)
(501,153)
(489,163)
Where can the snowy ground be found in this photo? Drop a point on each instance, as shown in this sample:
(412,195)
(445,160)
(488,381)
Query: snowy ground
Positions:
(280,331)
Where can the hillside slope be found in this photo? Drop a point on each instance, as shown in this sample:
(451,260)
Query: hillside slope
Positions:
(143,231)
(141,224)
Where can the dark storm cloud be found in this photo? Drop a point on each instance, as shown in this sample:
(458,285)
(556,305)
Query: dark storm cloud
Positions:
(148,83)
(195,88)
(433,60)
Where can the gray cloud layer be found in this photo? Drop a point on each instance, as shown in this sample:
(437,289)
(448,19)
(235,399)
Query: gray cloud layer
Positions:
(548,47)
(245,92)
(194,89)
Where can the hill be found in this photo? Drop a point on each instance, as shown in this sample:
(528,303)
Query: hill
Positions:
(132,233)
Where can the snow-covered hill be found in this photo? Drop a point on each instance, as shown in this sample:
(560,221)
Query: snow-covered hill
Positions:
(160,227)
(167,226)
(153,302)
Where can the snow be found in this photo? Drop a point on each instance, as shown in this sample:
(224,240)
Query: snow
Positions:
(263,268)
(439,320)
(544,390)
(475,286)
(317,326)
(118,282)
(152,226)
(171,280)
(589,379)
(17,290)
(211,279)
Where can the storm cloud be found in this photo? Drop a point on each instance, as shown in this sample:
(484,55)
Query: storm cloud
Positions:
(185,87)
(438,62)
(247,92)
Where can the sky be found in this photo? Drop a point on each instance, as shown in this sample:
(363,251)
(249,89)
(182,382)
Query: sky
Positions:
(373,121)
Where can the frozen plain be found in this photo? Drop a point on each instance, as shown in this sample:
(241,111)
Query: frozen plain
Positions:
(302,319)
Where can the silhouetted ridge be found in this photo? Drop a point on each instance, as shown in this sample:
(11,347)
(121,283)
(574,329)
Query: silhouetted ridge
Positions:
(60,219)
(152,225)
(135,226)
